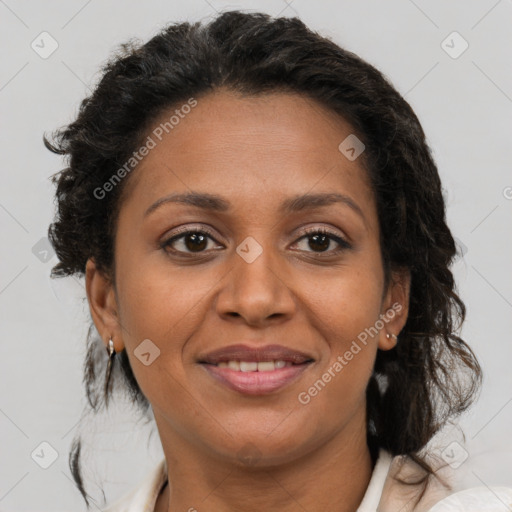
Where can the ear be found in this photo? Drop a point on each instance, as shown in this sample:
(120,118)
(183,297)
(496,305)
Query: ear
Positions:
(103,305)
(395,308)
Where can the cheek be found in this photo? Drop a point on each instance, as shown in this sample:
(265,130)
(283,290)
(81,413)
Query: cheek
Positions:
(347,302)
(344,317)
(158,302)
(165,307)
(344,309)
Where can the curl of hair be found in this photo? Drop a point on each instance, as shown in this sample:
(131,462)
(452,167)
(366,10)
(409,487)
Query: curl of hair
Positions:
(432,375)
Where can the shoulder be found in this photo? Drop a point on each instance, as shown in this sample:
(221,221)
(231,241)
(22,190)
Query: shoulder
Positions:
(143,497)
(409,488)
(477,499)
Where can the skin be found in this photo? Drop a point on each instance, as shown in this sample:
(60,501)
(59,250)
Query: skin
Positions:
(255,152)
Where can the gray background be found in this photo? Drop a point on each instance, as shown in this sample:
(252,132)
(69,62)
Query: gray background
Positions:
(464,103)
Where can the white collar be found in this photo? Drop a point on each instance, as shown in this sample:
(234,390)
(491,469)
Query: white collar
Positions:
(373,492)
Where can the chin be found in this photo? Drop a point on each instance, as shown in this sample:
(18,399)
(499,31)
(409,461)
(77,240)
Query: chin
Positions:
(264,450)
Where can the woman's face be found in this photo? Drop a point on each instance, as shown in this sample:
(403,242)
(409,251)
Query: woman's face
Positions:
(303,313)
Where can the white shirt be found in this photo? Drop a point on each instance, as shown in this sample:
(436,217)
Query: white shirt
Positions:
(383,493)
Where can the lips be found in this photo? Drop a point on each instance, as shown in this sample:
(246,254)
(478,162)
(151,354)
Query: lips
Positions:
(259,354)
(255,371)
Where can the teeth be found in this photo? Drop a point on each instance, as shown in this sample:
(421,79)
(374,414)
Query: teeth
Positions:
(234,365)
(253,366)
(266,366)
(245,366)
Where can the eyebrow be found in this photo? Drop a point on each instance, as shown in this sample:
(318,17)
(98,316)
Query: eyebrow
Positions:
(294,204)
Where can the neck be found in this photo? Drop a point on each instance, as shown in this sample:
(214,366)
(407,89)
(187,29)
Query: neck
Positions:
(333,477)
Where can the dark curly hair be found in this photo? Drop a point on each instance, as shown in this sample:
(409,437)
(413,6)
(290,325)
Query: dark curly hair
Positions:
(432,375)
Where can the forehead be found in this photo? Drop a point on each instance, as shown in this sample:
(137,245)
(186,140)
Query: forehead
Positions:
(256,147)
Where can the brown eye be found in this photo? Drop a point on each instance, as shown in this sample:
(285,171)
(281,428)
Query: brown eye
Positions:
(195,242)
(319,241)
(192,241)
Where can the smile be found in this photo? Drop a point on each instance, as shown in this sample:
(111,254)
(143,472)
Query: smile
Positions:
(254,366)
(256,377)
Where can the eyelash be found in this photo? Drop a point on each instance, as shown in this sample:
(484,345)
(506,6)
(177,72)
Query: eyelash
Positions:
(310,232)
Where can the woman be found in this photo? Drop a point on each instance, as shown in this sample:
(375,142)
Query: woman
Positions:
(262,231)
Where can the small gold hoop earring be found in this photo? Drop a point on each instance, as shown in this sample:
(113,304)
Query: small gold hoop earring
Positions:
(389,336)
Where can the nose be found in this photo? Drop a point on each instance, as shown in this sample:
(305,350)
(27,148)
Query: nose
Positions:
(257,292)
